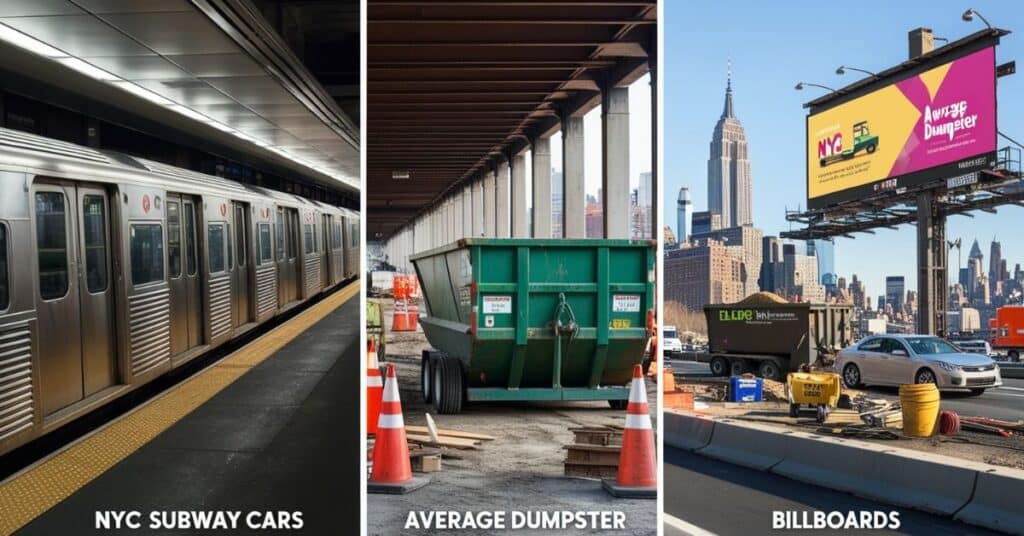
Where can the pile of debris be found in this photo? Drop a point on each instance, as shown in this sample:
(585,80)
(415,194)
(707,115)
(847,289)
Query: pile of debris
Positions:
(594,452)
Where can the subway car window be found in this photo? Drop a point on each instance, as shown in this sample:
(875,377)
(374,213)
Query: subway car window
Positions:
(215,247)
(94,225)
(307,233)
(265,246)
(147,247)
(354,234)
(5,295)
(190,238)
(240,234)
(280,235)
(51,242)
(336,239)
(174,239)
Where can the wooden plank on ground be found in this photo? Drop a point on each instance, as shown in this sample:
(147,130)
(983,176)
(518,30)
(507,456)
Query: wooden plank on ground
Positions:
(449,433)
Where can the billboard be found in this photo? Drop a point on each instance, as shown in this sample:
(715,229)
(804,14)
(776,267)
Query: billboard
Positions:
(932,125)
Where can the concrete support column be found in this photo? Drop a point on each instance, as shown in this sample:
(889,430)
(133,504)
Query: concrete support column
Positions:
(478,208)
(502,203)
(615,156)
(520,210)
(932,262)
(467,211)
(542,188)
(489,199)
(574,216)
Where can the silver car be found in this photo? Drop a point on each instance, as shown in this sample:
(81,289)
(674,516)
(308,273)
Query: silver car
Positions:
(903,359)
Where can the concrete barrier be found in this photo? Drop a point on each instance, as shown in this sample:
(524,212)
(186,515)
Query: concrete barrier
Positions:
(1011,370)
(929,482)
(748,444)
(998,501)
(687,431)
(832,463)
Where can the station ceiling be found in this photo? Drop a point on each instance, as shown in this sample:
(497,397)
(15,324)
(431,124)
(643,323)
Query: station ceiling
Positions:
(453,86)
(217,62)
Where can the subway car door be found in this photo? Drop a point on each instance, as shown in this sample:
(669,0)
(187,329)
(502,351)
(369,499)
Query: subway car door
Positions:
(193,283)
(240,312)
(325,253)
(75,305)
(176,276)
(285,259)
(99,354)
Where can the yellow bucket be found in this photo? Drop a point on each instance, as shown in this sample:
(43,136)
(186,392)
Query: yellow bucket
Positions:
(920,403)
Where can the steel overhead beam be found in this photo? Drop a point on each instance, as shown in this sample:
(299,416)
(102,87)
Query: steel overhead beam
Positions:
(532,21)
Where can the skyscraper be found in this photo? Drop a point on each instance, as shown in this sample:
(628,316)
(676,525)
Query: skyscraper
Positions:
(729,186)
(684,211)
(825,252)
(895,291)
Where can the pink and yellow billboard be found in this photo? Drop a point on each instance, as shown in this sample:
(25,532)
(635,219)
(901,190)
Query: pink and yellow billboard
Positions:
(933,125)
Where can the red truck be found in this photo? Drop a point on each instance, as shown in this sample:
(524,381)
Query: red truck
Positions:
(1006,331)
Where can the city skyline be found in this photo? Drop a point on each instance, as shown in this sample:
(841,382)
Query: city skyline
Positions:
(773,117)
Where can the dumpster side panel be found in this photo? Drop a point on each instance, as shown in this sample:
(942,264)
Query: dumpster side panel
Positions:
(519,288)
(776,330)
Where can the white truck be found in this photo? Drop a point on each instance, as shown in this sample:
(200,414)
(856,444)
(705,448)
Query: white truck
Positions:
(670,343)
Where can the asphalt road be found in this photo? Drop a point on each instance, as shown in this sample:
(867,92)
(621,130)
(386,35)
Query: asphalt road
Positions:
(705,496)
(1006,402)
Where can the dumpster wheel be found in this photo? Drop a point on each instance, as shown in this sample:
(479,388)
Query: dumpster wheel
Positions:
(447,385)
(427,376)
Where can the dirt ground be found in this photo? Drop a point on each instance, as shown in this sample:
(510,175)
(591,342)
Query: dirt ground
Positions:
(975,446)
(520,470)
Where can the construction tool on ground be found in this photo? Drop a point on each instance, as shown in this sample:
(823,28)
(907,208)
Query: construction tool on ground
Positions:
(637,476)
(392,469)
(819,390)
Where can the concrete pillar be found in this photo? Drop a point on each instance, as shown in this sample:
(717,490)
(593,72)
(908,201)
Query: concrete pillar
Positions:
(615,156)
(520,210)
(502,202)
(478,208)
(467,211)
(542,188)
(574,214)
(489,199)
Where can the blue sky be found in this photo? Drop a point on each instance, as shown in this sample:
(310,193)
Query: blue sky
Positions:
(774,45)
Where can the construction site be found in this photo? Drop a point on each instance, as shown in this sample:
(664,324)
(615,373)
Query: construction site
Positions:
(513,272)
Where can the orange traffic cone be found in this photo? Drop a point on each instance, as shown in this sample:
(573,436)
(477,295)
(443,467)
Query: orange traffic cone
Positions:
(638,475)
(374,388)
(392,470)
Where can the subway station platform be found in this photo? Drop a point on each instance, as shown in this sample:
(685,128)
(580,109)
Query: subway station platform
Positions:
(272,427)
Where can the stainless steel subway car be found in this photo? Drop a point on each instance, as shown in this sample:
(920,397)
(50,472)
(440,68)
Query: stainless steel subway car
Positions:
(114,270)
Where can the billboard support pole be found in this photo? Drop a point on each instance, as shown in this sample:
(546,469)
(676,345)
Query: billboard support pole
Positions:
(932,262)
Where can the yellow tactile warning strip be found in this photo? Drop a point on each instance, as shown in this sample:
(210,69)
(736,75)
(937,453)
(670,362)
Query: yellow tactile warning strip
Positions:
(31,493)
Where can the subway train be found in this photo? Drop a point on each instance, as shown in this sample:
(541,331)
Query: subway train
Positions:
(115,270)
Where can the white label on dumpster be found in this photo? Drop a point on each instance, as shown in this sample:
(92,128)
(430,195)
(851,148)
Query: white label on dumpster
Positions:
(498,305)
(626,303)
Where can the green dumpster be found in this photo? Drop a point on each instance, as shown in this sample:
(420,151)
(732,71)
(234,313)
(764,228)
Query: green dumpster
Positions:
(534,319)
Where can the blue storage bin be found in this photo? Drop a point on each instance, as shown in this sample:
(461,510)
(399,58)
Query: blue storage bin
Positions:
(745,389)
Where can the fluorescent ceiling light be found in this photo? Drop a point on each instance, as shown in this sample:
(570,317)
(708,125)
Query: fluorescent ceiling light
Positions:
(31,44)
(88,69)
(190,113)
(142,92)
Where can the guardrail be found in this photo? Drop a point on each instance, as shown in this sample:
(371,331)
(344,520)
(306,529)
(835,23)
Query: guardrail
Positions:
(972,492)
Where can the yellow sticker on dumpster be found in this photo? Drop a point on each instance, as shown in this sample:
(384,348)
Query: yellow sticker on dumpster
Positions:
(621,323)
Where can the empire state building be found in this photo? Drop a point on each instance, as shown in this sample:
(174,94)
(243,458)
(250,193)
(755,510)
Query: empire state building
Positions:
(729,187)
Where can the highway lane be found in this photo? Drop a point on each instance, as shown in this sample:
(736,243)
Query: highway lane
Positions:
(1006,402)
(705,496)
